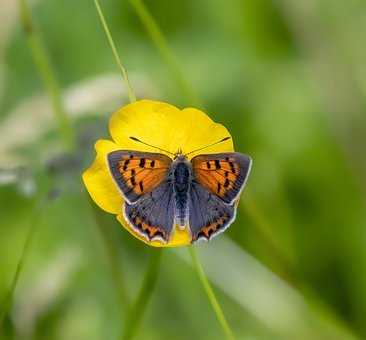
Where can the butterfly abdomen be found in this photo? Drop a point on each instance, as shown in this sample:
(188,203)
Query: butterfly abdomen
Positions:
(181,180)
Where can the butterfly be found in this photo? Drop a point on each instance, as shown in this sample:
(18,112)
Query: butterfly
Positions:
(160,192)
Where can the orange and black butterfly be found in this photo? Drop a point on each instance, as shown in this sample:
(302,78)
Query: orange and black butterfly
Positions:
(161,192)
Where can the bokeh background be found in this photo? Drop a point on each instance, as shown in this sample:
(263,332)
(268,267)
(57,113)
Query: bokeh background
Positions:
(287,78)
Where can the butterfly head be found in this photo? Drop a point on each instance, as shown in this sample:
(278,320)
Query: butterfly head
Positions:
(179,155)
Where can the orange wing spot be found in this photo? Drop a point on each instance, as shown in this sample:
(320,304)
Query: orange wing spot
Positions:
(212,228)
(147,229)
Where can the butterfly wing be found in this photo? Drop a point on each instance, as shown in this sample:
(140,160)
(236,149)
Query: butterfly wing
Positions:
(152,216)
(223,174)
(208,214)
(137,173)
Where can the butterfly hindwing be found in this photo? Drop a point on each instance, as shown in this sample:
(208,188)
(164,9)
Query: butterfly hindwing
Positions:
(137,173)
(152,216)
(223,174)
(208,214)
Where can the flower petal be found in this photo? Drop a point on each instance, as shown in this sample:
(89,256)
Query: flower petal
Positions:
(166,127)
(99,182)
(199,131)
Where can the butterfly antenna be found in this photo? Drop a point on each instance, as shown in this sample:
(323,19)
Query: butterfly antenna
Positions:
(207,146)
(153,146)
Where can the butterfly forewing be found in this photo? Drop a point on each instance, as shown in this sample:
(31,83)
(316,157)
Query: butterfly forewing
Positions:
(137,173)
(222,174)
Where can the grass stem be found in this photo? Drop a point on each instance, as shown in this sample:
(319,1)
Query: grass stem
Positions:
(211,295)
(136,312)
(160,42)
(39,206)
(112,255)
(123,70)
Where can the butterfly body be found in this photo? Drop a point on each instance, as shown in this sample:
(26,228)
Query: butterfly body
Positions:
(181,177)
(160,193)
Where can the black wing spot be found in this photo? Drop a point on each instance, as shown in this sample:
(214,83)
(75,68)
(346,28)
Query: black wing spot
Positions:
(152,164)
(159,233)
(218,187)
(141,186)
(125,164)
(142,163)
(208,164)
(217,164)
(232,167)
(227,183)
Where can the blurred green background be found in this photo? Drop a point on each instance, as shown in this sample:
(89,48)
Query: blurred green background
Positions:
(287,78)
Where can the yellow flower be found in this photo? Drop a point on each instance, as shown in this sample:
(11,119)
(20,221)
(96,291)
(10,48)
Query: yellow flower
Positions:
(159,124)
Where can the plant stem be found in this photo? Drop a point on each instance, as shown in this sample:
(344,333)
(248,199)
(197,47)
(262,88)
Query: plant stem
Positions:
(160,42)
(211,295)
(123,70)
(33,223)
(149,282)
(44,66)
(112,255)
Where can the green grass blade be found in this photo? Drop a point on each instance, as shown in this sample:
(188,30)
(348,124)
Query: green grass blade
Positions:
(136,312)
(112,255)
(123,70)
(211,295)
(7,303)
(160,42)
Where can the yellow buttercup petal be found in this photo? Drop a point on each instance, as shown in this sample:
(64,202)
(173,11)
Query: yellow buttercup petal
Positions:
(161,125)
(167,127)
(99,182)
(199,130)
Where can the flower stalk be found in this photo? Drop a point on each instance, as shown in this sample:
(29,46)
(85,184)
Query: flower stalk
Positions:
(123,70)
(161,44)
(136,312)
(211,295)
(6,304)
